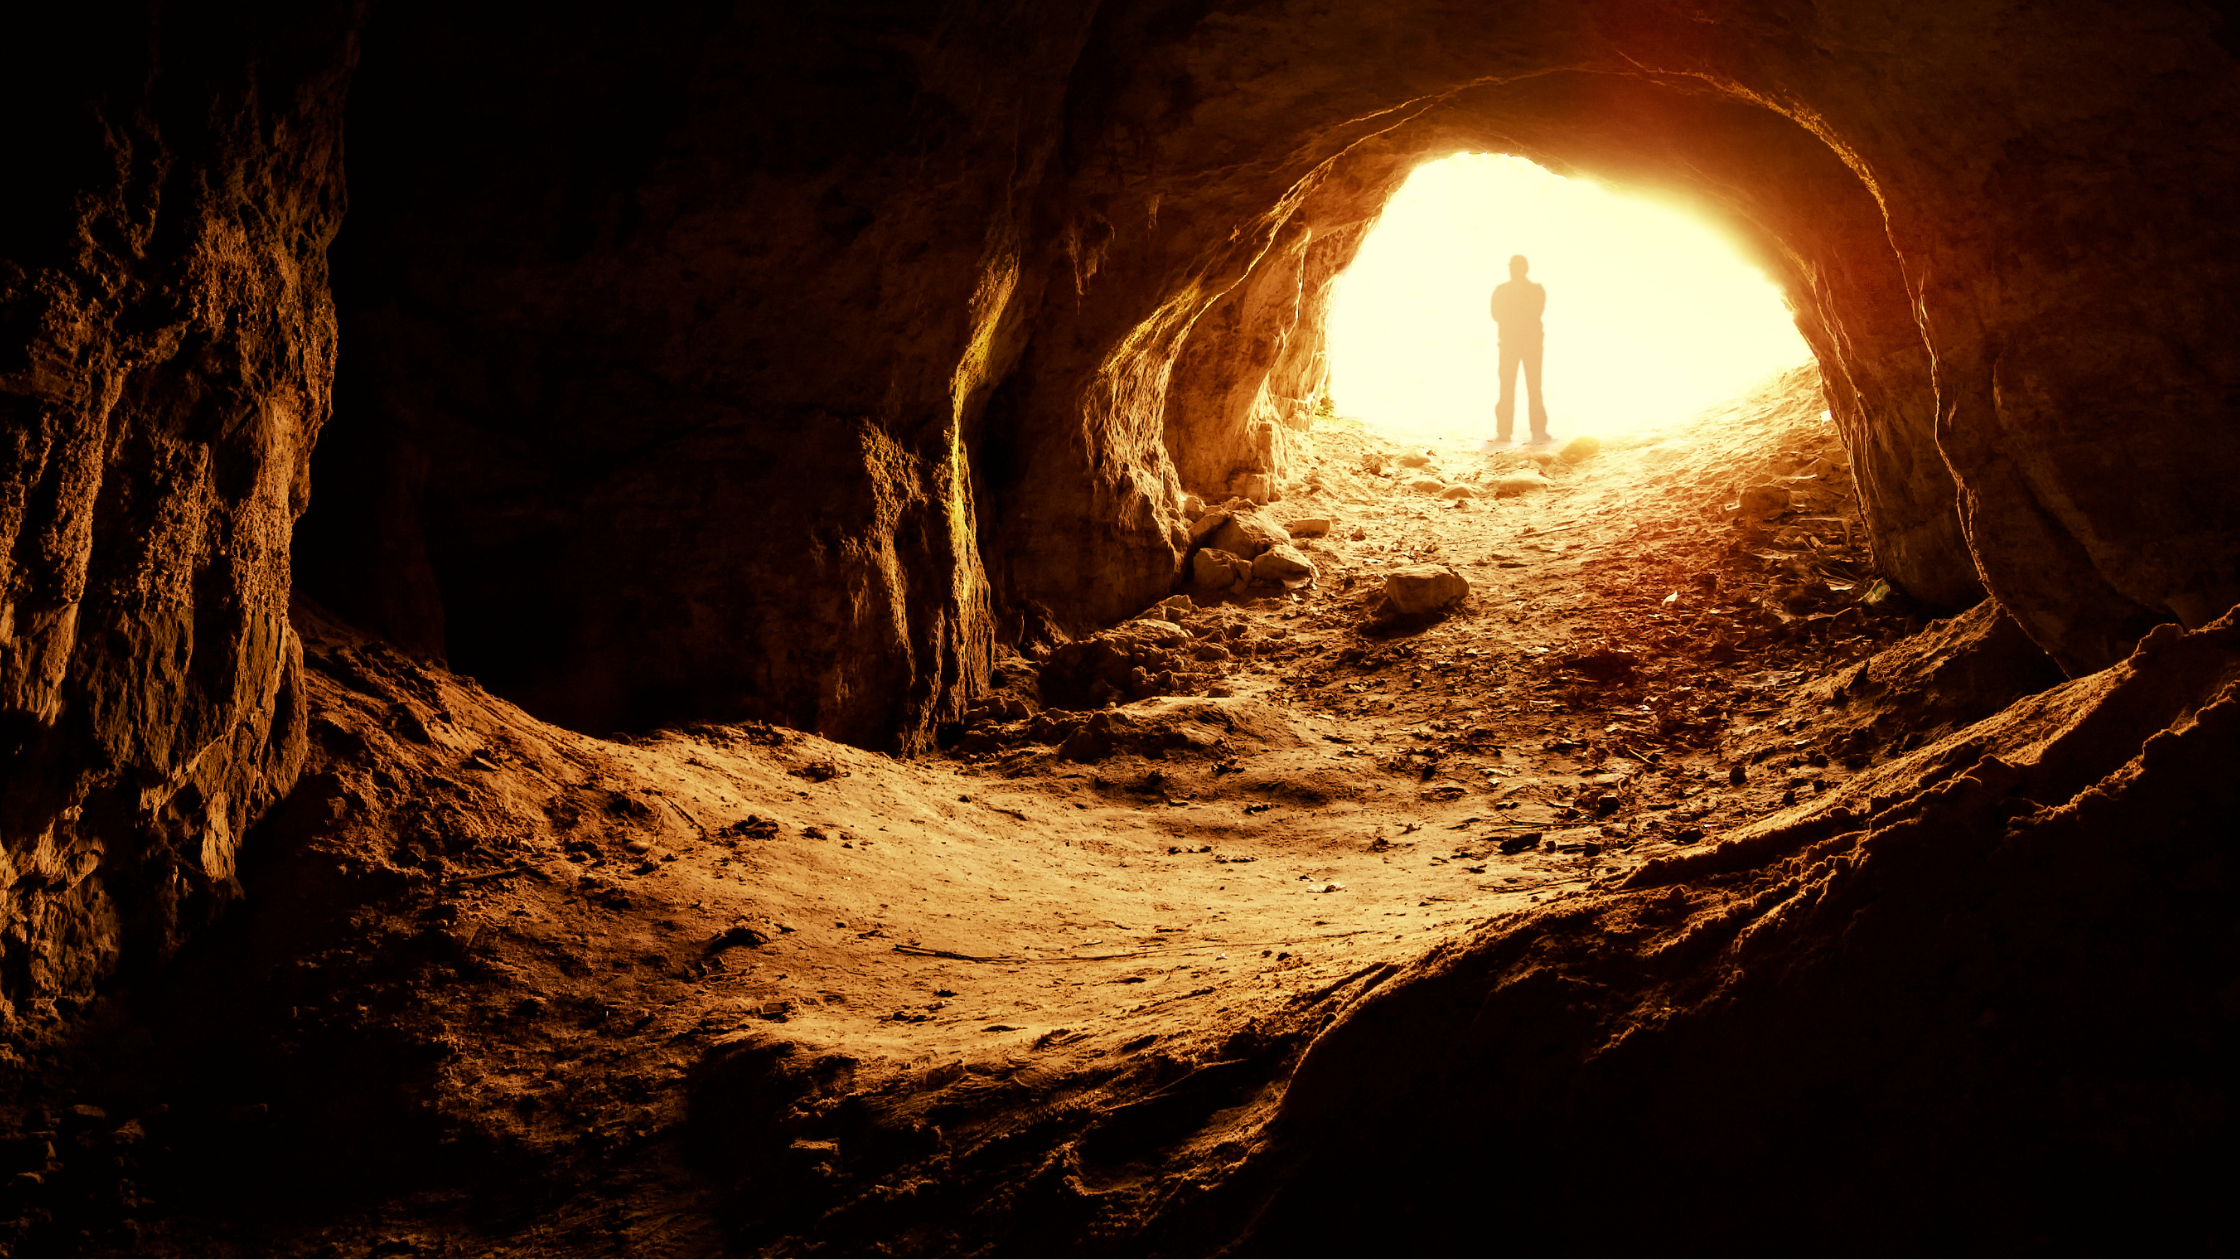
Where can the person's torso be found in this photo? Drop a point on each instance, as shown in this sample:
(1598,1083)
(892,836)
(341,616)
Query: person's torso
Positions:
(1517,305)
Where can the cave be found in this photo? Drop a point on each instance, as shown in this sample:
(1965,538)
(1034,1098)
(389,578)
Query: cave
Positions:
(745,628)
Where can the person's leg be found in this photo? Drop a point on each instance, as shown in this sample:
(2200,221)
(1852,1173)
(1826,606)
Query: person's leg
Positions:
(1505,411)
(1532,392)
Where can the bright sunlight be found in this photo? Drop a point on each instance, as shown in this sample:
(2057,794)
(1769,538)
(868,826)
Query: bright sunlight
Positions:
(1651,315)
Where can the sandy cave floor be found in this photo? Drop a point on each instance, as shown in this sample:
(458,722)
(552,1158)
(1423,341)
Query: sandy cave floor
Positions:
(536,952)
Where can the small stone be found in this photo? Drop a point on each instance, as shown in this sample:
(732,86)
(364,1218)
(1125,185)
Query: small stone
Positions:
(1421,589)
(1283,564)
(1193,507)
(1426,485)
(1204,527)
(1413,461)
(1458,492)
(1760,502)
(1737,776)
(1580,448)
(1308,526)
(639,845)
(1511,484)
(1159,633)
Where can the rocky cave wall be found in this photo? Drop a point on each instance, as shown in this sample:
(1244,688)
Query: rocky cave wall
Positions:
(166,350)
(745,363)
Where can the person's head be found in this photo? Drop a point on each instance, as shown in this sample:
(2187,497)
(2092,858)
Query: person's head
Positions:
(1518,266)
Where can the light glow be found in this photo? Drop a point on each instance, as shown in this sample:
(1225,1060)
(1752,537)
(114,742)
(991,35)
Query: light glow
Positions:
(1652,316)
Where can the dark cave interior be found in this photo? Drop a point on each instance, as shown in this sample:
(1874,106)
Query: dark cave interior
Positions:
(475,470)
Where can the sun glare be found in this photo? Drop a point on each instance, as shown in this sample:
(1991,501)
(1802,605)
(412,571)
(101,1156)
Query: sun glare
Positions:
(1651,315)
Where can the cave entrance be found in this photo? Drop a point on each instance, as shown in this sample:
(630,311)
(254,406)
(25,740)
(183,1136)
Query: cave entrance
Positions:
(1652,313)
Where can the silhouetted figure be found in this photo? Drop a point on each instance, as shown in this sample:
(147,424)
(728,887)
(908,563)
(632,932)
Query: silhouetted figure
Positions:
(1516,308)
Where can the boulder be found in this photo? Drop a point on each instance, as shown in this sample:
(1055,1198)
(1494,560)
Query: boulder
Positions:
(1422,589)
(1458,492)
(1285,565)
(1193,507)
(1426,485)
(1205,525)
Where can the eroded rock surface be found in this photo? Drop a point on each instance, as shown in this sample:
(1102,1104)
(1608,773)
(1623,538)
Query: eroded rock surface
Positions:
(164,370)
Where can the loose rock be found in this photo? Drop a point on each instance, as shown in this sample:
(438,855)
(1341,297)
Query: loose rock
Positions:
(1510,485)
(1582,447)
(1214,570)
(1422,589)
(1283,564)
(1760,502)
(1248,532)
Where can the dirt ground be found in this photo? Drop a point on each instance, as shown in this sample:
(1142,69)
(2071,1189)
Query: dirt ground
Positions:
(501,987)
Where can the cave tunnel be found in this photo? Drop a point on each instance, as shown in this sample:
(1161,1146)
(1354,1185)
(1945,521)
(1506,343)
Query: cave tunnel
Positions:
(743,628)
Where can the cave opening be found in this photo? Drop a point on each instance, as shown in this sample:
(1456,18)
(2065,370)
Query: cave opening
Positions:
(1654,314)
